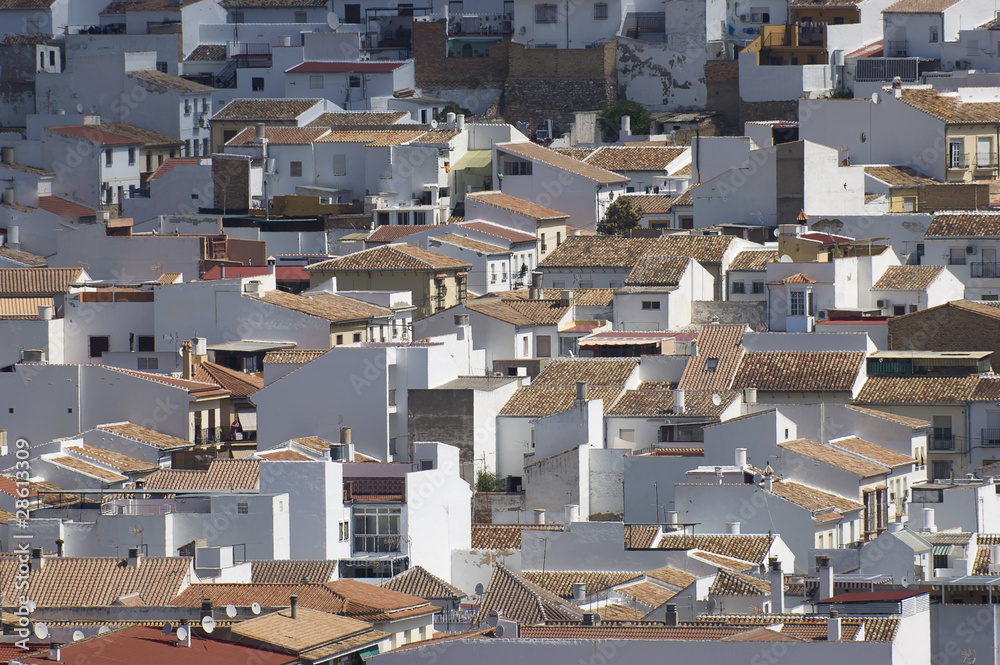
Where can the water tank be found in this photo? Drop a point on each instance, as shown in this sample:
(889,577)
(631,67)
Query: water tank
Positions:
(45,312)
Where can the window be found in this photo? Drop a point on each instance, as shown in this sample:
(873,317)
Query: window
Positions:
(205,146)
(300,17)
(145,343)
(984,152)
(237,17)
(131,156)
(956,160)
(148,363)
(340,340)
(760,15)
(797,303)
(339,164)
(711,364)
(257,83)
(545,13)
(941,469)
(315,82)
(651,304)
(956,256)
(161,66)
(558,238)
(525,350)
(109,158)
(933,34)
(383,218)
(403,218)
(376,529)
(357,337)
(295,169)
(456,7)
(544,346)
(511,167)
(601,11)
(345,531)
(627,435)
(354,81)
(942,438)
(419,218)
(737,287)
(898,310)
(758,287)
(352,13)
(187,107)
(909,204)
(99,345)
(243,508)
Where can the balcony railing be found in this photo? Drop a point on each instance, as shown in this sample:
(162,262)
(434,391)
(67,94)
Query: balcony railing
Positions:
(375,544)
(958,161)
(990,436)
(942,442)
(885,69)
(986,160)
(982,269)
(897,49)
(209,435)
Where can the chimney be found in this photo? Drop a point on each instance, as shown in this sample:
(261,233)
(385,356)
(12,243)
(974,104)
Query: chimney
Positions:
(260,132)
(206,608)
(566,298)
(694,348)
(579,591)
(460,122)
(60,544)
(626,125)
(134,558)
(14,237)
(55,652)
(929,520)
(271,262)
(461,320)
(678,401)
(186,358)
(670,615)
(895,527)
(199,351)
(539,516)
(345,435)
(733,528)
(741,457)
(295,606)
(591,619)
(222,271)
(37,559)
(777,587)
(572,513)
(833,627)
(825,576)
(672,521)
(581,391)
(535,292)
(450,120)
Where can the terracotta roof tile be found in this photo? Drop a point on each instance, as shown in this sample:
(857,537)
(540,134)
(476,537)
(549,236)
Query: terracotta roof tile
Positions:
(470,243)
(170,81)
(949,107)
(95,134)
(358,119)
(242,474)
(309,630)
(873,451)
(262,110)
(37,281)
(393,232)
(118,462)
(373,137)
(724,562)
(418,582)
(906,421)
(640,536)
(595,371)
(650,203)
(907,278)
(798,371)
(658,271)
(616,612)
(279,136)
(64,208)
(634,157)
(965,225)
(145,435)
(194,388)
(284,455)
(747,547)
(239,384)
(728,583)
(504,536)
(287,571)
(718,343)
(520,600)
(538,401)
(919,6)
(521,313)
(390,257)
(207,53)
(906,390)
(539,153)
(516,205)
(672,576)
(323,305)
(648,593)
(811,498)
(753,259)
(26,259)
(147,137)
(293,356)
(659,403)
(836,458)
(169,165)
(899,176)
(24,309)
(561,582)
(84,467)
(504,232)
(597,251)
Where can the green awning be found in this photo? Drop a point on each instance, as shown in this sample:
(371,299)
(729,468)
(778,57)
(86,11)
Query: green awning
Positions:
(368,652)
(942,550)
(475,159)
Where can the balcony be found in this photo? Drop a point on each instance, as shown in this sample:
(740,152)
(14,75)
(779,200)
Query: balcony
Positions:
(897,49)
(990,436)
(209,435)
(885,69)
(958,161)
(981,269)
(941,442)
(985,161)
(364,544)
(646,26)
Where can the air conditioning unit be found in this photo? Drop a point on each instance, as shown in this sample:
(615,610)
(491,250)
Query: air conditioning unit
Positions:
(881,304)
(821,314)
(744,18)
(970,250)
(961,64)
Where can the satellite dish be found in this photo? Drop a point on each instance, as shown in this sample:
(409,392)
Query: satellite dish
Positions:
(776,232)
(41,630)
(716,399)
(182,633)
(230,611)
(78,635)
(498,631)
(876,98)
(255,608)
(32,606)
(168,628)
(493,618)
(208,624)
(333,20)
(479,589)
(905,583)
(103,630)
(434,124)
(785,258)
(79,108)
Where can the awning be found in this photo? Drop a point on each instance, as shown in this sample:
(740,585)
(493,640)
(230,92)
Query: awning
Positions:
(942,550)
(368,653)
(248,420)
(475,159)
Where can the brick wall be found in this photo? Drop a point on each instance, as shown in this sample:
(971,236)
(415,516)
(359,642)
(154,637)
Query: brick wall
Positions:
(756,111)
(722,83)
(946,329)
(231,176)
(954,196)
(434,69)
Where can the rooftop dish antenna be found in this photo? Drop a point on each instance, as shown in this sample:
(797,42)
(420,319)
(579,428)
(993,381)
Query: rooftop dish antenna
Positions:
(333,20)
(41,630)
(876,98)
(103,630)
(716,399)
(168,628)
(182,633)
(208,624)
(493,618)
(78,635)
(230,611)
(255,608)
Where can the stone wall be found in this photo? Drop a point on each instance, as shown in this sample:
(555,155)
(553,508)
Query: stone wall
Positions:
(434,69)
(760,111)
(953,196)
(750,312)
(722,83)
(231,175)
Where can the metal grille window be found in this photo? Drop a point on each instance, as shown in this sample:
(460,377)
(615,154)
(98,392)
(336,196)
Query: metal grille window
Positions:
(797,302)
(758,287)
(738,287)
(545,13)
(376,529)
(242,508)
(601,11)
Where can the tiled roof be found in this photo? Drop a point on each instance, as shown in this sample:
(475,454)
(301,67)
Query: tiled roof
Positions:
(899,176)
(418,582)
(753,259)
(919,6)
(561,582)
(797,278)
(949,107)
(640,536)
(393,232)
(504,536)
(581,297)
(222,474)
(239,384)
(288,571)
(25,39)
(748,547)
(597,251)
(964,225)
(323,305)
(279,136)
(168,166)
(650,203)
(345,66)
(722,343)
(197,389)
(906,421)
(876,629)
(907,390)
(836,458)
(147,137)
(309,630)
(634,157)
(315,443)
(595,371)
(37,281)
(118,462)
(728,583)
(208,53)
(658,271)
(649,593)
(98,581)
(262,110)
(514,204)
(519,313)
(23,308)
(64,208)
(170,81)
(873,451)
(907,278)
(616,612)
(520,600)
(811,498)
(704,249)
(723,562)
(373,137)
(672,576)
(645,631)
(390,257)
(659,403)
(504,232)
(358,119)
(798,371)
(293,356)
(145,435)
(81,466)
(283,455)
(981,566)
(20,256)
(469,243)
(538,401)
(374,603)
(541,154)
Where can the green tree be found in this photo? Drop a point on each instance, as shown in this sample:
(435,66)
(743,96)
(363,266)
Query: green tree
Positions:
(489,482)
(620,218)
(610,119)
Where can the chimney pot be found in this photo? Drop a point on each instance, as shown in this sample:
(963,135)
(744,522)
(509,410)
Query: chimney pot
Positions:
(833,627)
(539,516)
(295,606)
(579,591)
(60,544)
(37,558)
(581,391)
(670,614)
(134,558)
(777,587)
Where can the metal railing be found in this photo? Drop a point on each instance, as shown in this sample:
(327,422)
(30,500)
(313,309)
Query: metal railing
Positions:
(885,69)
(958,161)
(209,435)
(941,442)
(984,269)
(376,544)
(990,436)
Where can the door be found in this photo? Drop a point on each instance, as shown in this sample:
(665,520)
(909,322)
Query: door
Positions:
(352,13)
(990,262)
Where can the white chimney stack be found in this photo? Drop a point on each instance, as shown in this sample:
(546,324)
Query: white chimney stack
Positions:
(741,457)
(678,401)
(539,516)
(929,524)
(833,627)
(572,513)
(777,587)
(733,528)
(626,125)
(825,576)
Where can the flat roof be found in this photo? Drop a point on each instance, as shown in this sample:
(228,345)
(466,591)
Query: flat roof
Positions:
(248,346)
(978,355)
